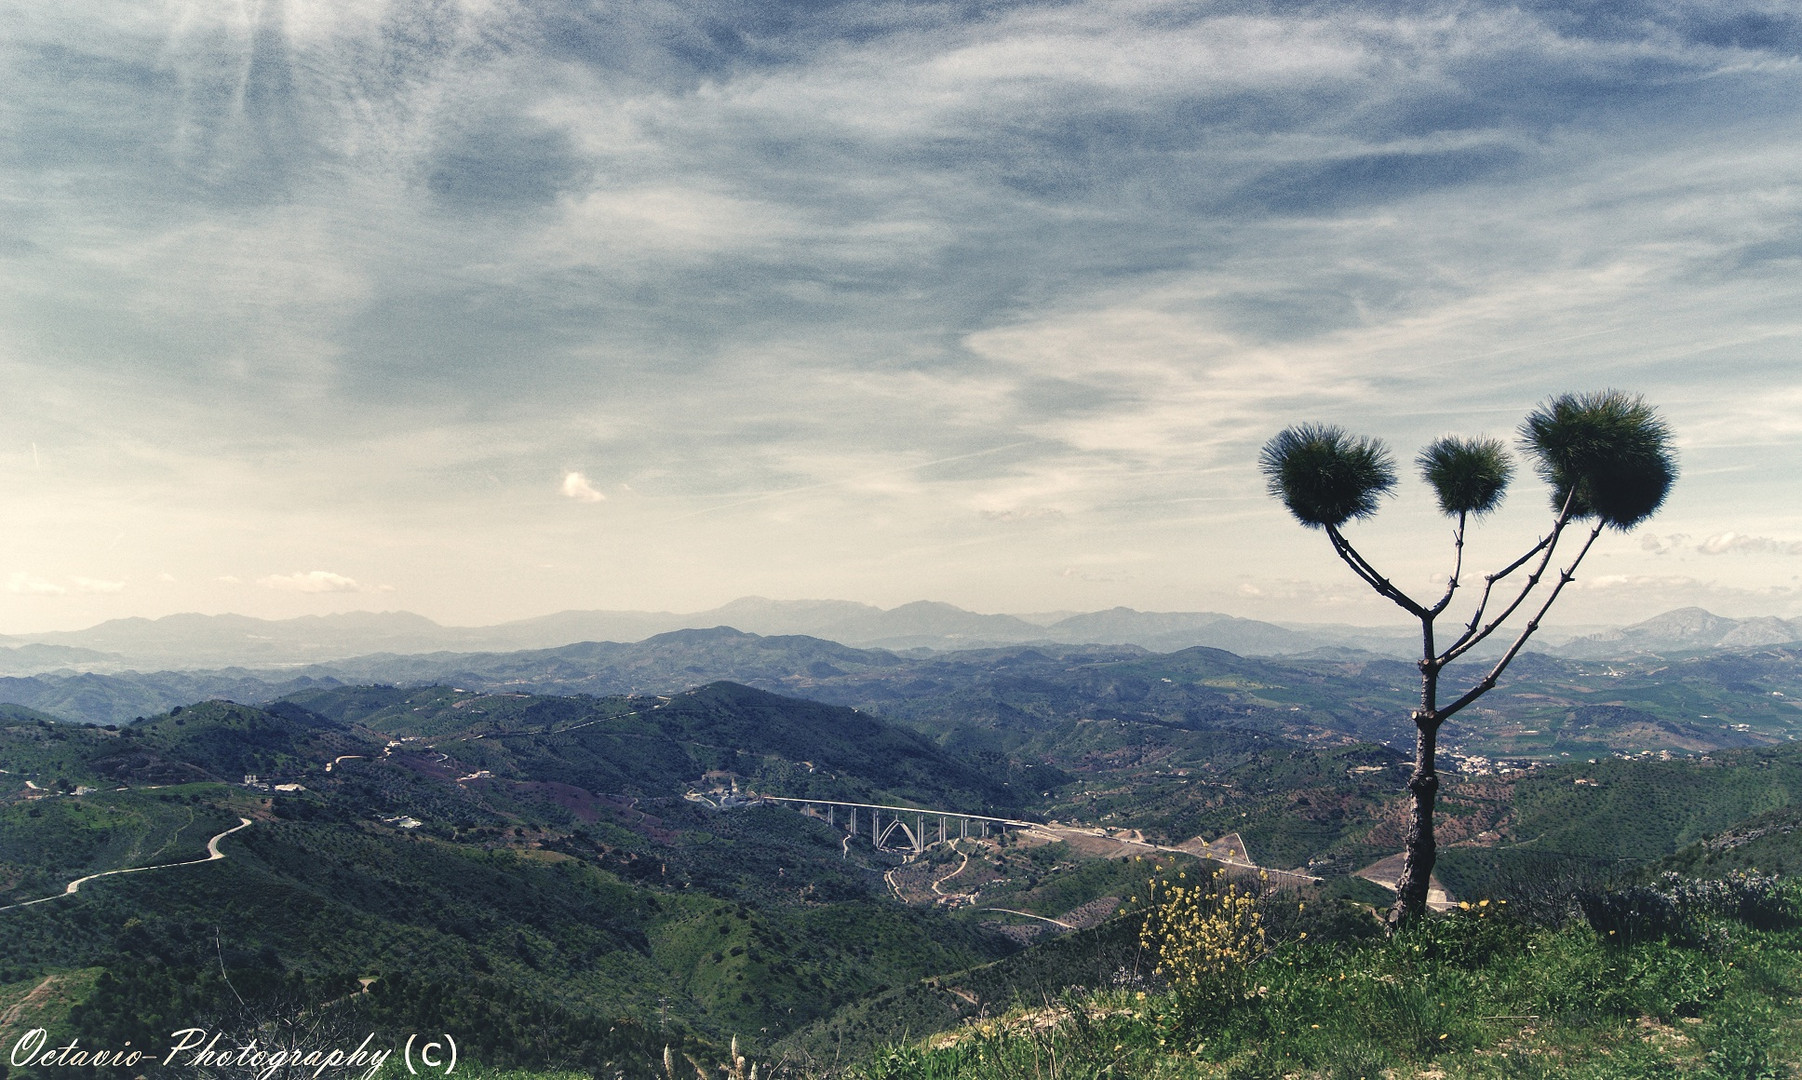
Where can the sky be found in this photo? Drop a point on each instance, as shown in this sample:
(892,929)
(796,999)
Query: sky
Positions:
(486,309)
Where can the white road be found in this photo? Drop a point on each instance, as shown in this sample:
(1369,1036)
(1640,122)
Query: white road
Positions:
(212,854)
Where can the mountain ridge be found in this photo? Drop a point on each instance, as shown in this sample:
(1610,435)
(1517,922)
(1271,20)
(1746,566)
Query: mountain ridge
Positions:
(191,641)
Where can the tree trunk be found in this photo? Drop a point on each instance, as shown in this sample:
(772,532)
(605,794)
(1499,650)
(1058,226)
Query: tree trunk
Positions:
(1421,850)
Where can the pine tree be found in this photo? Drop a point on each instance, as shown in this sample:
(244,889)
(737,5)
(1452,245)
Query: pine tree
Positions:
(1607,459)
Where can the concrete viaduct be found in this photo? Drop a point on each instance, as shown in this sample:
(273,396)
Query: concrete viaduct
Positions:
(881,830)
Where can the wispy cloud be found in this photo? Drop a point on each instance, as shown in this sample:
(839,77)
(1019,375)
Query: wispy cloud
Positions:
(1719,544)
(29,585)
(371,273)
(1723,543)
(310,581)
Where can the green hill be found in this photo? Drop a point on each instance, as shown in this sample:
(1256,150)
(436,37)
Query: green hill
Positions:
(1611,816)
(529,872)
(528,867)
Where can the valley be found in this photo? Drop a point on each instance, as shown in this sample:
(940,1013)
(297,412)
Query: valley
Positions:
(584,872)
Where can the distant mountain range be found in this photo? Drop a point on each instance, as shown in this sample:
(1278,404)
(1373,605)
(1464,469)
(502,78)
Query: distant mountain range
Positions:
(1685,630)
(192,641)
(208,641)
(197,642)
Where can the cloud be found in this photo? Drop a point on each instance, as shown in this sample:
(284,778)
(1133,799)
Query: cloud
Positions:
(1605,582)
(398,255)
(1724,543)
(310,581)
(94,585)
(1023,513)
(576,486)
(30,585)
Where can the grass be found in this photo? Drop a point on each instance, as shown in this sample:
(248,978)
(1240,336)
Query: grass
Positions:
(1477,994)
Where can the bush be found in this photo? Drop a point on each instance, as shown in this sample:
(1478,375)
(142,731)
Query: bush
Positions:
(1674,907)
(1758,900)
(1633,913)
(1206,936)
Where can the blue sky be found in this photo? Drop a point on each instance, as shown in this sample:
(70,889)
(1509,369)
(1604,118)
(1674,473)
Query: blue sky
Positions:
(488,309)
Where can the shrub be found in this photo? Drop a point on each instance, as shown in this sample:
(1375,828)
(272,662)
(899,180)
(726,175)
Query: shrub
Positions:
(1674,907)
(1633,913)
(1206,936)
(1758,900)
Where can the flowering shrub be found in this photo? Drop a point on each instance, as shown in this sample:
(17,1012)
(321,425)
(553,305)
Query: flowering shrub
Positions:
(1206,936)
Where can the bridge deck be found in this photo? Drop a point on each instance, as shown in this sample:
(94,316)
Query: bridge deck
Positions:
(907,810)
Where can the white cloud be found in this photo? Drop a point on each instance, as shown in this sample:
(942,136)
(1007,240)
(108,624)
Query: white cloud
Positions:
(1635,581)
(576,486)
(30,585)
(1723,543)
(94,585)
(310,581)
(1122,240)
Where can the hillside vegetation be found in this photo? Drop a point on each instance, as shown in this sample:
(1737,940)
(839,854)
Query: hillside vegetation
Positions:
(531,870)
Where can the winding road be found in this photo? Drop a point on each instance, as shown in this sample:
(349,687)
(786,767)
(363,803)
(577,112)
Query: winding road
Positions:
(212,854)
(952,874)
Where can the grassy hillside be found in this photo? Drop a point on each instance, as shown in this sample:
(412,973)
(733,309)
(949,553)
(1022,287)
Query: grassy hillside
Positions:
(1478,995)
(529,871)
(528,866)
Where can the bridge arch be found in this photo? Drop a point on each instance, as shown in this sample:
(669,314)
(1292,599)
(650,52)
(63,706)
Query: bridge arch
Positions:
(913,840)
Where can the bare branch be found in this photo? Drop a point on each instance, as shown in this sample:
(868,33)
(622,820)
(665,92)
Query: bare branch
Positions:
(1344,551)
(1451,586)
(1495,673)
(1361,566)
(1547,545)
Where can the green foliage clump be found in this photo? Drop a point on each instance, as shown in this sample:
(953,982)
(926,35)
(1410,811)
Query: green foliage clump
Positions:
(1326,476)
(1607,454)
(1468,476)
(1675,907)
